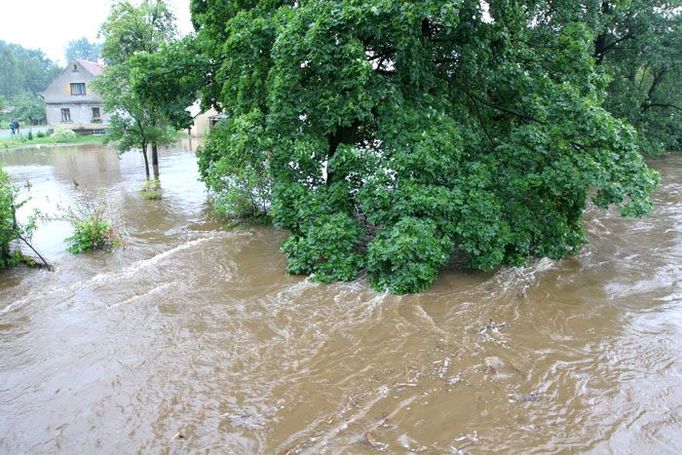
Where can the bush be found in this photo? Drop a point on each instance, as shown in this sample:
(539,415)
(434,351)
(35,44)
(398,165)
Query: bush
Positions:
(234,164)
(63,134)
(93,228)
(151,190)
(41,134)
(9,230)
(30,135)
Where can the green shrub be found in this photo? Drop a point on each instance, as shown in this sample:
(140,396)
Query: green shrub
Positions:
(30,135)
(151,190)
(93,228)
(234,148)
(9,230)
(41,134)
(63,134)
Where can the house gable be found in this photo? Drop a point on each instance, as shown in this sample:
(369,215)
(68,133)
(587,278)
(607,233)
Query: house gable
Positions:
(73,85)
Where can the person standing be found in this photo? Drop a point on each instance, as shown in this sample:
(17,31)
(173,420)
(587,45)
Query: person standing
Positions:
(11,126)
(16,127)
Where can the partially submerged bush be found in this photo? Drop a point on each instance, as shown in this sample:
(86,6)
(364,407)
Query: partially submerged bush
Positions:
(93,228)
(9,230)
(235,148)
(151,190)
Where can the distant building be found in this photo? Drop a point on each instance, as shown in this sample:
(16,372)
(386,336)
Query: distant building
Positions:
(70,101)
(203,120)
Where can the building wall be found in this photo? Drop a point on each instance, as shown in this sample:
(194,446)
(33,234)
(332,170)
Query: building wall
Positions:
(81,114)
(202,123)
(58,95)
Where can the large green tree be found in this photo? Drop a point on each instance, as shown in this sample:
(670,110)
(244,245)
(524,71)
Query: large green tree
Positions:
(396,134)
(133,29)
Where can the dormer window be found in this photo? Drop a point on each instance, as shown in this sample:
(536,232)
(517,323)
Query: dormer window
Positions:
(78,89)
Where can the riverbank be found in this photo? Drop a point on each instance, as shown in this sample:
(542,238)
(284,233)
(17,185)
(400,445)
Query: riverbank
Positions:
(22,142)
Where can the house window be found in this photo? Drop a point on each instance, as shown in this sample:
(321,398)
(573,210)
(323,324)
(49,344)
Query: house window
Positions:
(66,115)
(75,68)
(78,89)
(96,115)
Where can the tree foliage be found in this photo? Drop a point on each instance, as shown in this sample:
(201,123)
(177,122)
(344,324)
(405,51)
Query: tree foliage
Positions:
(132,28)
(24,74)
(399,133)
(24,70)
(131,34)
(170,79)
(28,109)
(82,49)
(639,44)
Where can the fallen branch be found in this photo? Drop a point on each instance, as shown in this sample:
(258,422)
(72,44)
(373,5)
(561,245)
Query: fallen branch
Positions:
(47,265)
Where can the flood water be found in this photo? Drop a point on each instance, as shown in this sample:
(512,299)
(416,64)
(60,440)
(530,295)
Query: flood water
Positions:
(193,339)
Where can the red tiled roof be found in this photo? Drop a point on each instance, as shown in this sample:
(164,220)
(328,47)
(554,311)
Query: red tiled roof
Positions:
(92,67)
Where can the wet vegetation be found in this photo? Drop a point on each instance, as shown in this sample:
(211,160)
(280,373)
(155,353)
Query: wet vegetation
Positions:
(93,227)
(12,233)
(388,136)
(151,190)
(8,226)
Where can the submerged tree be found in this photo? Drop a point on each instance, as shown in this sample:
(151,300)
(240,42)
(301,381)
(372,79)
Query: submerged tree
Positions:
(129,30)
(395,134)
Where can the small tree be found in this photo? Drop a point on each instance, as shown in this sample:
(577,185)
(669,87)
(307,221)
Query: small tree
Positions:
(134,125)
(128,30)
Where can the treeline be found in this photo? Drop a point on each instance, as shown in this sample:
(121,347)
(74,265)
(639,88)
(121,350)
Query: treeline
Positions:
(24,74)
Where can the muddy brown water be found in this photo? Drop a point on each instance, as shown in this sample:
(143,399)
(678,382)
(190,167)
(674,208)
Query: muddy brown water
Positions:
(193,339)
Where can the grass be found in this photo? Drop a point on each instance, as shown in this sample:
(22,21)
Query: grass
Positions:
(23,142)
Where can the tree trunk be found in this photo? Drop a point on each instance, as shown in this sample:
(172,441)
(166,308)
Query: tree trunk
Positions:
(155,159)
(342,135)
(146,161)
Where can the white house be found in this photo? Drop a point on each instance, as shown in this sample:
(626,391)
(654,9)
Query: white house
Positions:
(70,101)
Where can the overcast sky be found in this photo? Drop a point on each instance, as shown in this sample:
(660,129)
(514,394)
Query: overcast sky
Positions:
(50,24)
